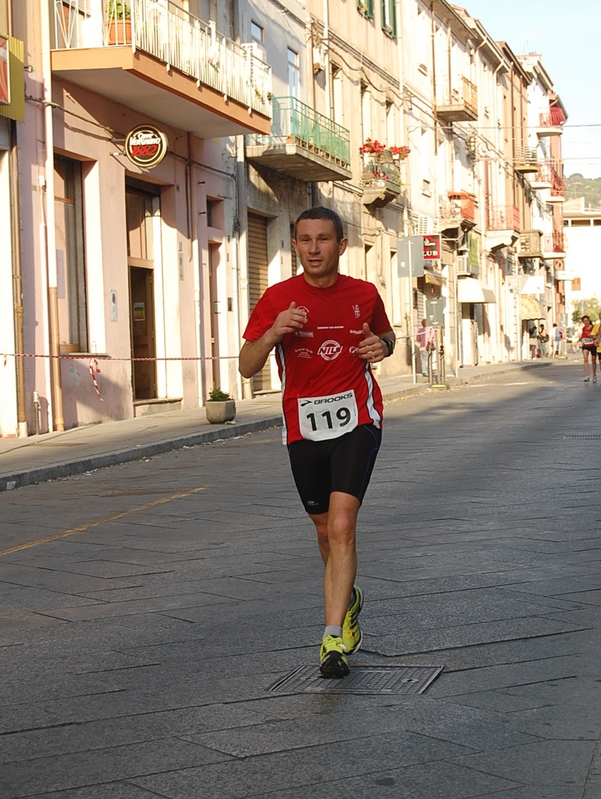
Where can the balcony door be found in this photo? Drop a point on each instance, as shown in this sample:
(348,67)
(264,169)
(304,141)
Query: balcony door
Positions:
(140,260)
(258,266)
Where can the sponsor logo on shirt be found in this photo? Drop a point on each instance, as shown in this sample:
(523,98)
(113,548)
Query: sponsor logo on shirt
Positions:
(304,333)
(330,327)
(329,350)
(356,332)
(303,308)
(353,350)
(356,311)
(303,352)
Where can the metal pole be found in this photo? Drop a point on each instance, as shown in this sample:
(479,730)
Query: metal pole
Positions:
(412,323)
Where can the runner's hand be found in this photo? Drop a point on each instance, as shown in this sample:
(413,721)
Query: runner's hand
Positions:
(288,321)
(372,348)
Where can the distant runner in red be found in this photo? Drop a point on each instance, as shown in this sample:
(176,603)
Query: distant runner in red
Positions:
(327,329)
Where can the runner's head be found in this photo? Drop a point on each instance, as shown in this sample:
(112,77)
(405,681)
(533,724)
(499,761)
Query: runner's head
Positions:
(320,212)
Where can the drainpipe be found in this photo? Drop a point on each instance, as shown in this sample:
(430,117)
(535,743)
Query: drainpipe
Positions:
(326,61)
(15,217)
(50,228)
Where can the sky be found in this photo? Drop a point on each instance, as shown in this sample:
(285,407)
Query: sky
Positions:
(567,34)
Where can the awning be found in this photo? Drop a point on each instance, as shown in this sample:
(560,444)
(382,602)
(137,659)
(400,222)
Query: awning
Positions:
(531,307)
(470,289)
(434,278)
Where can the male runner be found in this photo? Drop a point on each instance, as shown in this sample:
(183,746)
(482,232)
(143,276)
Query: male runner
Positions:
(328,328)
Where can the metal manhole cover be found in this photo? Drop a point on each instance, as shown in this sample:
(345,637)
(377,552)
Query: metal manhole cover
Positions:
(361,680)
(594,438)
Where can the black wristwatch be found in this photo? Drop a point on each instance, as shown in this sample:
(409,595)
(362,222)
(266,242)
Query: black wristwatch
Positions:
(389,346)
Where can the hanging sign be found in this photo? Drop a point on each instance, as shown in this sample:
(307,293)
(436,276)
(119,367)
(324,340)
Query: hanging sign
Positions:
(432,248)
(146,146)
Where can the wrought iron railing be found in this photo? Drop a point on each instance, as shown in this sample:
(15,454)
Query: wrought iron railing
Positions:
(555,242)
(295,122)
(503,217)
(180,40)
(554,119)
(525,157)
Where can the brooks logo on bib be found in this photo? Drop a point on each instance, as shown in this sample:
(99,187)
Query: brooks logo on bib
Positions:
(322,418)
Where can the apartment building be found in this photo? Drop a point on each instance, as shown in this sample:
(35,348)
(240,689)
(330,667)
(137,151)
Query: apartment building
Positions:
(335,140)
(579,279)
(169,145)
(129,204)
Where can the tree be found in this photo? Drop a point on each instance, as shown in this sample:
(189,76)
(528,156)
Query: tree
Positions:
(587,307)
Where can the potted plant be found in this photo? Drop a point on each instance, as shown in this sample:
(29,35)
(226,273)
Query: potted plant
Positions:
(220,407)
(118,15)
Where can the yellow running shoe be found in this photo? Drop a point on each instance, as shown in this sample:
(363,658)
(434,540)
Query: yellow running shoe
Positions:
(333,659)
(351,631)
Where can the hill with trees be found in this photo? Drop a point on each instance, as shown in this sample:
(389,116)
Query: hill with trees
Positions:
(589,188)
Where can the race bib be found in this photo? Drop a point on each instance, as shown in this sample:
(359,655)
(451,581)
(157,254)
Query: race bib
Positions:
(322,418)
(587,341)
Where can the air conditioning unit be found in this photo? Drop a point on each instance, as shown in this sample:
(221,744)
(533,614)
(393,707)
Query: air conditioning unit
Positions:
(463,265)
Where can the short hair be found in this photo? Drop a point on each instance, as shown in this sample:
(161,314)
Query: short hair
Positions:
(321,212)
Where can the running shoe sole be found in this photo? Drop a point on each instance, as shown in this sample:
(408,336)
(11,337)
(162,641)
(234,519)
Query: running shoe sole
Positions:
(334,664)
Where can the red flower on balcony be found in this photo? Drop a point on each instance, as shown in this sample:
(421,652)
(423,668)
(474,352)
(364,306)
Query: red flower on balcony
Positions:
(372,146)
(402,152)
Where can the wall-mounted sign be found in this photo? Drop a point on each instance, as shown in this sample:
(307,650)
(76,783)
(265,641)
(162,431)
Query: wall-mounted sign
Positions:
(4,72)
(432,248)
(146,146)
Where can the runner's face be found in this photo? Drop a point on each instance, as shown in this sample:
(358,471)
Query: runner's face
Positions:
(319,250)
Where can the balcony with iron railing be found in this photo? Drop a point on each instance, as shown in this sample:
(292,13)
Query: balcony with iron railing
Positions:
(554,245)
(458,210)
(503,217)
(302,144)
(525,160)
(380,179)
(459,104)
(155,57)
(548,177)
(551,123)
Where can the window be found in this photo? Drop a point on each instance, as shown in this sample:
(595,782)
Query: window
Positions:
(365,113)
(336,101)
(293,74)
(257,34)
(70,261)
(366,7)
(205,10)
(388,17)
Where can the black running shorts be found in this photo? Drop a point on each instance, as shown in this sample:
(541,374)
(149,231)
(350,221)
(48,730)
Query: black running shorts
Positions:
(341,464)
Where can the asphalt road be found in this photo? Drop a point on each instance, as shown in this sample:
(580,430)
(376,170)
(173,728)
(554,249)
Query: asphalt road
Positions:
(148,608)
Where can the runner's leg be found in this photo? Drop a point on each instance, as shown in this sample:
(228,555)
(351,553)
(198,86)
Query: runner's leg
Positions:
(336,535)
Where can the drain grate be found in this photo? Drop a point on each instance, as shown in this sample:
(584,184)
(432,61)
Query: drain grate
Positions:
(362,680)
(591,438)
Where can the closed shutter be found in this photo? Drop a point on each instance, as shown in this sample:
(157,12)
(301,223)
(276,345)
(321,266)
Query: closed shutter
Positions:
(204,10)
(258,266)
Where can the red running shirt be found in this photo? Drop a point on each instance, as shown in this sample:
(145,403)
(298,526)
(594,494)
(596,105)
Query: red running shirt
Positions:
(321,359)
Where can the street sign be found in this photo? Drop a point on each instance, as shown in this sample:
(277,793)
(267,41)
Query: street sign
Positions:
(563,274)
(410,256)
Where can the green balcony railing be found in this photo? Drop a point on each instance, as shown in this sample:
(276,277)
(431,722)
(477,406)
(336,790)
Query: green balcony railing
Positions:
(295,122)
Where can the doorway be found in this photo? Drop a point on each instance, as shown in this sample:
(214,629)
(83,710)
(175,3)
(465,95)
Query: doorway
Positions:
(140,260)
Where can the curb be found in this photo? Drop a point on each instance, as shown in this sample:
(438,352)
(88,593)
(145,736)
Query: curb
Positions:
(81,465)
